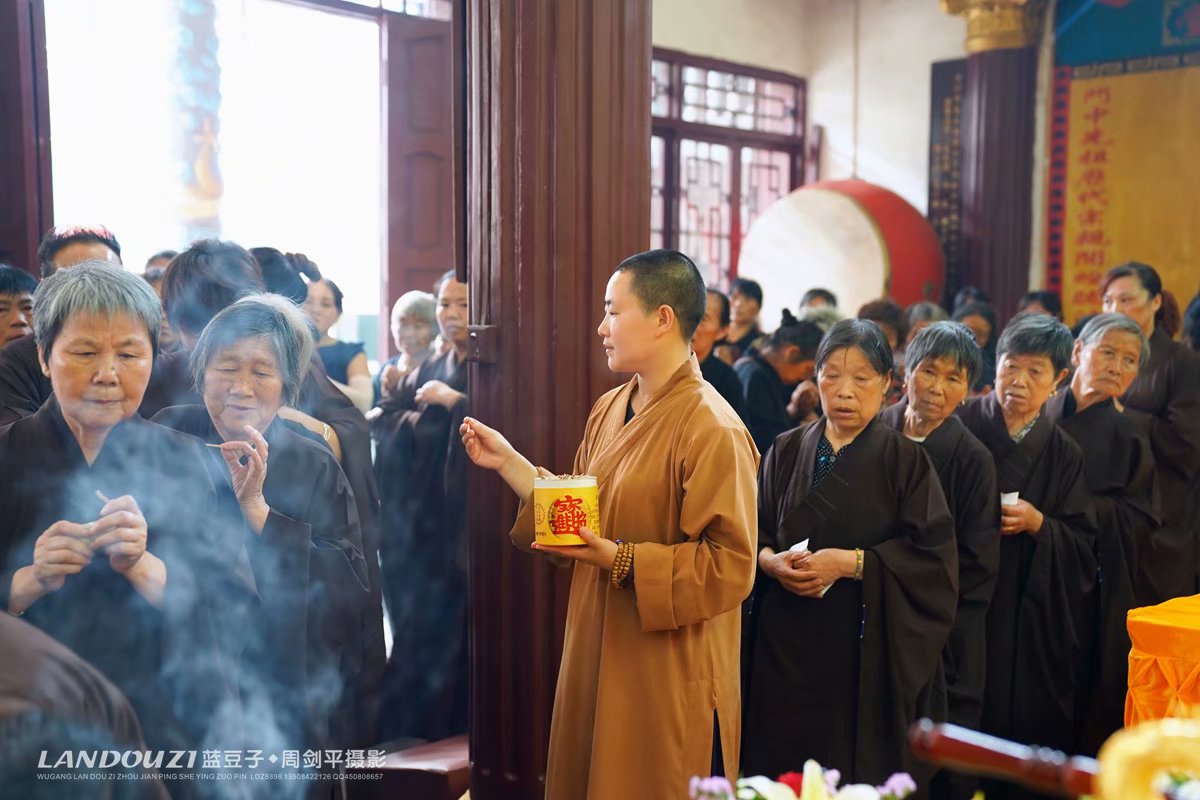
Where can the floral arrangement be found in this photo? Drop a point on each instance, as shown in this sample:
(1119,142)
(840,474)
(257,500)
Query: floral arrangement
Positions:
(1181,787)
(814,783)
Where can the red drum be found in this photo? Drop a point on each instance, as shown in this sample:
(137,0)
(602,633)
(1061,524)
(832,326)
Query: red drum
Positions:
(858,240)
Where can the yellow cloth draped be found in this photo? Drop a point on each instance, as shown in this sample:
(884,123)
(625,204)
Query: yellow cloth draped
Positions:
(1164,664)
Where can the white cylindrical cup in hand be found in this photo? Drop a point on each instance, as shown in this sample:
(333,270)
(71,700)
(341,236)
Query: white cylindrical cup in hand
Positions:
(1009,498)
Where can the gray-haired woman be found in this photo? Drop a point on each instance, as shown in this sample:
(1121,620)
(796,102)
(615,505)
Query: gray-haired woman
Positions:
(279,484)
(1119,470)
(856,589)
(103,540)
(1042,611)
(414,325)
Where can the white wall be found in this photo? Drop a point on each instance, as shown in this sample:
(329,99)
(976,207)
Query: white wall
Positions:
(765,33)
(897,41)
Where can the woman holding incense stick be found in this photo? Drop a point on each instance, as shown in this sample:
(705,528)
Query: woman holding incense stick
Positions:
(288,495)
(103,539)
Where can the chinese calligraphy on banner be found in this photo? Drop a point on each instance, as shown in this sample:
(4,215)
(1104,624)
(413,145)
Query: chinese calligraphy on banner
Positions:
(1124,123)
(1131,180)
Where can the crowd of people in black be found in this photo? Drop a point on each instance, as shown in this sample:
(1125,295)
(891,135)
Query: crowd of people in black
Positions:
(211,500)
(191,502)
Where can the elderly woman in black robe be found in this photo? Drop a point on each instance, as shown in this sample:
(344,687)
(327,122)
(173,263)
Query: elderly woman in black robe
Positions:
(419,462)
(1039,626)
(105,541)
(857,578)
(943,363)
(292,501)
(1165,401)
(1119,470)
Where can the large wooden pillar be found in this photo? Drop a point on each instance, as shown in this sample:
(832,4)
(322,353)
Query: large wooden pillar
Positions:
(557,192)
(997,134)
(25,192)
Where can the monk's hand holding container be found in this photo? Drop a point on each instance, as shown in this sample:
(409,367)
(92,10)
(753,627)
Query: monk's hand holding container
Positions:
(562,506)
(566,516)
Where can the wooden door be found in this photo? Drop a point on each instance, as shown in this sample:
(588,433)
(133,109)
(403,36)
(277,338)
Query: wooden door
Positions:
(557,194)
(25,192)
(418,98)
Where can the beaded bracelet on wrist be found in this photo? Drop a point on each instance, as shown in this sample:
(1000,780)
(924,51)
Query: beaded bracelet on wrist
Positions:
(622,565)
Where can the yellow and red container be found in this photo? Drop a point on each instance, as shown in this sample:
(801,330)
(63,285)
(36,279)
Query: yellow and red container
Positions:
(561,506)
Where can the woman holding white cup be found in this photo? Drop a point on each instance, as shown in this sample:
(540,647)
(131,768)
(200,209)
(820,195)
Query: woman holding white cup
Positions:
(1040,623)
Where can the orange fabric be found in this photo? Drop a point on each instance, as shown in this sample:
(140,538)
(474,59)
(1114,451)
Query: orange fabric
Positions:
(1164,664)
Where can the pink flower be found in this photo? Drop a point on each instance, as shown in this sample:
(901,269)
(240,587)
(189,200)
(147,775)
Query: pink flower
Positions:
(899,786)
(832,778)
(716,788)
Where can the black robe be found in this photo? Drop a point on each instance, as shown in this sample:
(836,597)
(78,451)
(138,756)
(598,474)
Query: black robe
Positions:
(1042,615)
(24,389)
(724,380)
(968,477)
(307,653)
(837,679)
(1119,469)
(421,464)
(171,662)
(1165,401)
(52,700)
(766,400)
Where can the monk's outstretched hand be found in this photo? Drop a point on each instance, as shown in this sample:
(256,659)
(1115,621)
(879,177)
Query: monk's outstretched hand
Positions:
(596,550)
(486,447)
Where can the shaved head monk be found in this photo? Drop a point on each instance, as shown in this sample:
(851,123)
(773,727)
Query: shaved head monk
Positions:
(648,690)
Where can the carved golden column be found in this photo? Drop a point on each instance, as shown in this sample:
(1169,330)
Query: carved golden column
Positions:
(998,24)
(997,132)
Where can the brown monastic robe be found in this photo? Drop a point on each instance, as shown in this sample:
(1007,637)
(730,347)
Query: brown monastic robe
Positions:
(645,668)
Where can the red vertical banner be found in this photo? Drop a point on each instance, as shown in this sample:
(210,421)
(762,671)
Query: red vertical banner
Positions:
(1056,198)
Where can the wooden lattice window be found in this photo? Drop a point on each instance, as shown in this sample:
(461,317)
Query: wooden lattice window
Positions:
(728,140)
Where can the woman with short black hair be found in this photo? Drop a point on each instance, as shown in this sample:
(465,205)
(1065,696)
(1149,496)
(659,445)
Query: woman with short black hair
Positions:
(769,374)
(745,304)
(1042,613)
(856,589)
(981,319)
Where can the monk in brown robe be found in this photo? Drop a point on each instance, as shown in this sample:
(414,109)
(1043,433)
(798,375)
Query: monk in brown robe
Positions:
(1165,401)
(648,691)
(1119,469)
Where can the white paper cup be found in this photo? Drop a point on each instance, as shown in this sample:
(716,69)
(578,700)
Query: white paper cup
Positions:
(1009,498)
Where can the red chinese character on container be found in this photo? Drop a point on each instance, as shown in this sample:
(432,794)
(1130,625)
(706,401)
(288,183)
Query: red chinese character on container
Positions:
(1091,218)
(1094,258)
(1097,156)
(1094,137)
(1096,114)
(567,516)
(1101,95)
(1092,236)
